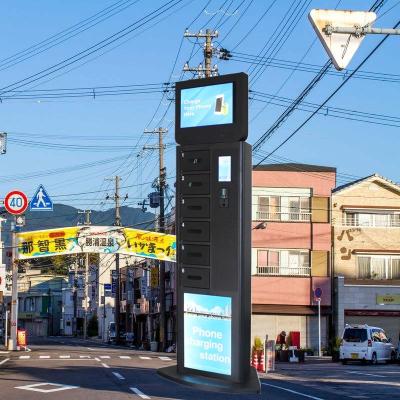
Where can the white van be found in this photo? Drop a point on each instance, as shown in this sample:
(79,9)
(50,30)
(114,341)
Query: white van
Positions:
(366,343)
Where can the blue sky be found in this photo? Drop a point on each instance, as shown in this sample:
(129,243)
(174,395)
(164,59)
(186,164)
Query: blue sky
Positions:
(355,148)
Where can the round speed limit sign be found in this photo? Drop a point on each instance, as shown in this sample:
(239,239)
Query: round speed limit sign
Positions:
(16,202)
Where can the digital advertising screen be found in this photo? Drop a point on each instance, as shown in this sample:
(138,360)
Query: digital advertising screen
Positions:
(207,105)
(207,333)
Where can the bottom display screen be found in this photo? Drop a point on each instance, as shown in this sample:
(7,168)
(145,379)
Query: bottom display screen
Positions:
(207,333)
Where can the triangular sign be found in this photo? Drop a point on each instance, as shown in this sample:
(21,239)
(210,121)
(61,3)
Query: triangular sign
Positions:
(41,200)
(339,46)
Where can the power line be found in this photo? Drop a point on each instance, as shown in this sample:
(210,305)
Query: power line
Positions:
(94,48)
(330,96)
(65,34)
(330,111)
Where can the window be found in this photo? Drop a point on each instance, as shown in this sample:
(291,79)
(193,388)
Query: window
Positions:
(283,208)
(373,219)
(268,207)
(378,267)
(283,262)
(355,335)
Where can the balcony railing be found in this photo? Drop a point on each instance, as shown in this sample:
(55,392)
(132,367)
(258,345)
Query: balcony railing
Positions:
(279,270)
(354,222)
(283,216)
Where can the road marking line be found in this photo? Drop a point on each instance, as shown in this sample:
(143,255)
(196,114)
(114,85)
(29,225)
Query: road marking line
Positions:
(24,357)
(97,358)
(144,358)
(44,356)
(4,361)
(125,357)
(366,374)
(119,376)
(4,352)
(35,387)
(104,356)
(292,391)
(65,356)
(105,365)
(89,348)
(84,356)
(165,358)
(139,393)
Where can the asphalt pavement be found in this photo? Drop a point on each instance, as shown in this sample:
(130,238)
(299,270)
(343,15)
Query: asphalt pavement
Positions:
(62,368)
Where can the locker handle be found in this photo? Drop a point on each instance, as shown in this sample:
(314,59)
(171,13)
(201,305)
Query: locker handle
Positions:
(195,207)
(194,277)
(194,230)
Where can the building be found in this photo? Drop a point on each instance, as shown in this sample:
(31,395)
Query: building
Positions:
(40,302)
(366,246)
(291,244)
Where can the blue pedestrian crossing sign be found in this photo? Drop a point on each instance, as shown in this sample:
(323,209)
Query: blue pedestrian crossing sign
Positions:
(41,200)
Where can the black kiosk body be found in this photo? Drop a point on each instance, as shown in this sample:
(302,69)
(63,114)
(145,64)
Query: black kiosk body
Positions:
(213,225)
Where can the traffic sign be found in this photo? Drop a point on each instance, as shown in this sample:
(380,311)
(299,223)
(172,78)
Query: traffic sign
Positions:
(340,47)
(16,202)
(41,200)
(318,293)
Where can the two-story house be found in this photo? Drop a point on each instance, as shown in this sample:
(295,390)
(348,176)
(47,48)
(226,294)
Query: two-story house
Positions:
(366,248)
(291,244)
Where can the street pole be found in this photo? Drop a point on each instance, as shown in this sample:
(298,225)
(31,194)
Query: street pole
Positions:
(206,70)
(319,327)
(12,345)
(117,223)
(6,330)
(162,182)
(87,223)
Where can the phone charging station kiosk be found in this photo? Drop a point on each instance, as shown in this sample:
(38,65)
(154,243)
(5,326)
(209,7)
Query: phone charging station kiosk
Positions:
(213,225)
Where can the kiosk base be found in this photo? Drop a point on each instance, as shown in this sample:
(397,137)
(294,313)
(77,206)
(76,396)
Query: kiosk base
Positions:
(251,385)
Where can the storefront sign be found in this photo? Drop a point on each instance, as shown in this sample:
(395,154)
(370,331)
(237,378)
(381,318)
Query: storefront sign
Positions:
(207,333)
(388,299)
(96,239)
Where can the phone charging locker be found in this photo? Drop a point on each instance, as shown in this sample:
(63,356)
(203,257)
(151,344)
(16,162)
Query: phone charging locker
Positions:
(213,224)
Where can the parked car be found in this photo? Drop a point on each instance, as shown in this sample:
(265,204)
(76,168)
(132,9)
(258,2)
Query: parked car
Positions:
(398,351)
(366,343)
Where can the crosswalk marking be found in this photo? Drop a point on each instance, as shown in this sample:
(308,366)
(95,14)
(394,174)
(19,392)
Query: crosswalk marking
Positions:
(104,356)
(145,358)
(84,356)
(44,356)
(65,356)
(125,357)
(105,365)
(139,393)
(118,375)
(24,357)
(165,358)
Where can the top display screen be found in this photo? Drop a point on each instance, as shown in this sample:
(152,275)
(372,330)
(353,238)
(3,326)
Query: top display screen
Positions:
(207,105)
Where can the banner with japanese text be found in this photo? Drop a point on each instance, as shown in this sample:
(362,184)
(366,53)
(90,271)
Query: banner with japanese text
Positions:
(96,239)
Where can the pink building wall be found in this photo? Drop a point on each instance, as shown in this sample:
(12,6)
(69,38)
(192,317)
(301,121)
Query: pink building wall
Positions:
(321,182)
(280,290)
(289,290)
(292,291)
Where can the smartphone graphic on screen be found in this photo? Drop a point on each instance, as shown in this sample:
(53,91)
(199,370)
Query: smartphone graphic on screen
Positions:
(219,101)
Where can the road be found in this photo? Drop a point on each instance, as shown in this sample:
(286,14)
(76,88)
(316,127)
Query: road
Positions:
(60,368)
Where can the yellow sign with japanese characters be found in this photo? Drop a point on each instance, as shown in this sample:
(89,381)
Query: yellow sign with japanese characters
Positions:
(96,239)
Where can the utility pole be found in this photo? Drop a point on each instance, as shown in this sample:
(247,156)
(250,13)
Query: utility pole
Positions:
(87,223)
(204,70)
(12,345)
(161,225)
(4,313)
(117,222)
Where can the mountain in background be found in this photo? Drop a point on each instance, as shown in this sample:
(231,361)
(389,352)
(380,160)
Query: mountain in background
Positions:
(64,215)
